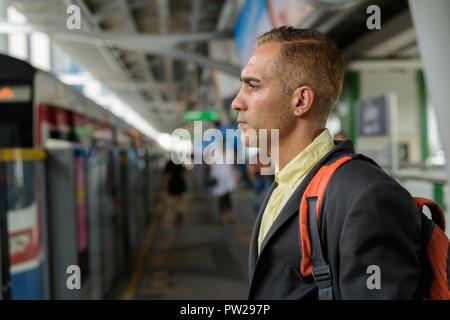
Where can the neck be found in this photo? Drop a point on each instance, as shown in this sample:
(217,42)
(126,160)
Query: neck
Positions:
(296,142)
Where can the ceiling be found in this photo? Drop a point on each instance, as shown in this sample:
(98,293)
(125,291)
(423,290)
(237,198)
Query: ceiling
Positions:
(153,54)
(150,53)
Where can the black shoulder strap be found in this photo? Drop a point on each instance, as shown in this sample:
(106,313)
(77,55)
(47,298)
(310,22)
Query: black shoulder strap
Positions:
(321,270)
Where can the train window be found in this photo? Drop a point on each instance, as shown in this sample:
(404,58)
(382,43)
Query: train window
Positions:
(16,116)
(20,185)
(16,125)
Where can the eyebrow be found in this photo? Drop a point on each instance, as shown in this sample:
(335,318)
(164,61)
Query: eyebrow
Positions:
(249,79)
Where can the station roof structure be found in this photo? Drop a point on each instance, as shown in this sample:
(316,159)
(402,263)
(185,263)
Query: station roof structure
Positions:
(154,54)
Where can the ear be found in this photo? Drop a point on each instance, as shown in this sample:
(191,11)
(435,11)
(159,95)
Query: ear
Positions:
(302,100)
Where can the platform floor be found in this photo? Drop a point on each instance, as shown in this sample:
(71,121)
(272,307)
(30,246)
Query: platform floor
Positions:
(197,258)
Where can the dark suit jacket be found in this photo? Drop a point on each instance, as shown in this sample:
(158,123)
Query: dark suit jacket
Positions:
(366,219)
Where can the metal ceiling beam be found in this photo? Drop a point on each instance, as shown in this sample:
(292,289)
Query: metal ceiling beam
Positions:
(91,25)
(105,12)
(190,70)
(394,26)
(337,18)
(163,27)
(110,55)
(204,61)
(227,12)
(162,86)
(411,51)
(385,64)
(100,39)
(131,26)
(139,4)
(392,46)
(195,15)
(152,42)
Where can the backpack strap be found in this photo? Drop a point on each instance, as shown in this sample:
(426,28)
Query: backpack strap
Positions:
(320,269)
(313,261)
(437,215)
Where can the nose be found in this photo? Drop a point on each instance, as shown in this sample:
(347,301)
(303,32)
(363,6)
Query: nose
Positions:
(238,103)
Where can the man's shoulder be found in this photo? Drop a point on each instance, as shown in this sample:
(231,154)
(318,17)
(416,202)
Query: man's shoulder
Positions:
(363,187)
(359,174)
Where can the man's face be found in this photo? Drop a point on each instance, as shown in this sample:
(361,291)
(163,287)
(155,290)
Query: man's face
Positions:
(261,102)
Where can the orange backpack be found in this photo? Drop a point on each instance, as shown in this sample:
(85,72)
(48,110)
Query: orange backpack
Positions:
(433,239)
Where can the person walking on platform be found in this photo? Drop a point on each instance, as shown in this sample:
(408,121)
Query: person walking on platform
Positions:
(176,186)
(366,220)
(261,177)
(340,136)
(223,177)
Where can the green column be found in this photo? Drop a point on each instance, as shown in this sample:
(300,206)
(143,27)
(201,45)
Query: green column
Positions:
(439,195)
(423,116)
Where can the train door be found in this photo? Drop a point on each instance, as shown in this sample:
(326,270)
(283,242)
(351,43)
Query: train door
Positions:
(106,218)
(5,292)
(105,231)
(69,226)
(24,244)
(134,213)
(82,237)
(124,201)
(114,194)
(25,266)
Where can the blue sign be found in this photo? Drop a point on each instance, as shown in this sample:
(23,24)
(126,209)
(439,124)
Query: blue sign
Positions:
(253,20)
(373,117)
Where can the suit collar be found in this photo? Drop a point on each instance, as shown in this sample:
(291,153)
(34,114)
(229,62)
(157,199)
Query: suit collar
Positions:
(253,254)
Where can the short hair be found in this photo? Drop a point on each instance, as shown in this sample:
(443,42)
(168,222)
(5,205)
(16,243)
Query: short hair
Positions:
(307,57)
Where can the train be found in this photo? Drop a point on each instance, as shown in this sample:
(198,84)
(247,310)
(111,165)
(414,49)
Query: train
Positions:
(77,189)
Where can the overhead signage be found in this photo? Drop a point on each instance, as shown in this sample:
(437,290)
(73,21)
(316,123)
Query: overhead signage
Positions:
(15,93)
(201,115)
(377,129)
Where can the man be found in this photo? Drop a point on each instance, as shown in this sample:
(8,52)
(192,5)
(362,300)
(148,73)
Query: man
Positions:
(291,83)
(225,178)
(341,136)
(175,184)
(261,177)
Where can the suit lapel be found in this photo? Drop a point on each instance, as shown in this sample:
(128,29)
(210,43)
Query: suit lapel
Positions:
(253,252)
(291,207)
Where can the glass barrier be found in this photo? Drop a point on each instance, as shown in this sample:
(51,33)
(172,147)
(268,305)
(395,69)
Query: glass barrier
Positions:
(103,188)
(24,256)
(133,198)
(81,213)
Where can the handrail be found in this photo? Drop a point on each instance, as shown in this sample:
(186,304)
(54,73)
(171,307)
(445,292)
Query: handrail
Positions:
(438,184)
(417,176)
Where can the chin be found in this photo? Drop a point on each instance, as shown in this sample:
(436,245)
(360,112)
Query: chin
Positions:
(245,140)
(248,140)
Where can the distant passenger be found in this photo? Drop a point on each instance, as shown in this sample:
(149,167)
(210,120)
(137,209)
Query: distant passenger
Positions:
(261,176)
(341,136)
(368,226)
(176,186)
(223,178)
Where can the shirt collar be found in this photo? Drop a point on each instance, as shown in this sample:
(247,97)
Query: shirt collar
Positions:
(305,160)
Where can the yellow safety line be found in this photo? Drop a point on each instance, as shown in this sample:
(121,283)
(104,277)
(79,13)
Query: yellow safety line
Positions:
(130,292)
(24,154)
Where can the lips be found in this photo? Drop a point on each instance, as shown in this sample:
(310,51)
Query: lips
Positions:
(241,124)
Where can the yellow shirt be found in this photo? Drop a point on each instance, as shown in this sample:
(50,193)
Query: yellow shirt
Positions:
(290,178)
